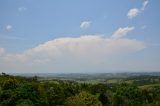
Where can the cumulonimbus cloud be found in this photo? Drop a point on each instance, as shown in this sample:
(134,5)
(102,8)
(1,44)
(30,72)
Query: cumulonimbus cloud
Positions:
(65,52)
(89,48)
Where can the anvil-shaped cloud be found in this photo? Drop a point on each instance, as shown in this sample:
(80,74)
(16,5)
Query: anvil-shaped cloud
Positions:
(83,51)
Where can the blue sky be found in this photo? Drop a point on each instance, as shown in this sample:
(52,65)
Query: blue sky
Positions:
(79,36)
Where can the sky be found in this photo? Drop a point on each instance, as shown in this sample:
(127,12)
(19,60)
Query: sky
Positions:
(79,36)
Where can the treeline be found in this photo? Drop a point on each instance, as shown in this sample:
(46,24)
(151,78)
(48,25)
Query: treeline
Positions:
(144,80)
(21,91)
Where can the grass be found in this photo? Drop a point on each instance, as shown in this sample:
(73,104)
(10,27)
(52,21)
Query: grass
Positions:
(148,86)
(113,81)
(90,81)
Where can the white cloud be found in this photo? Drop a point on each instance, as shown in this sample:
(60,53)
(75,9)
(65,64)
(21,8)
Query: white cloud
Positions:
(8,27)
(2,51)
(20,9)
(85,24)
(135,11)
(144,5)
(80,53)
(121,32)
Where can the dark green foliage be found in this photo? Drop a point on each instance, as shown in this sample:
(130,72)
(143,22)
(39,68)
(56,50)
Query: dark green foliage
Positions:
(11,83)
(128,95)
(105,98)
(83,99)
(18,91)
(24,102)
(21,91)
(55,95)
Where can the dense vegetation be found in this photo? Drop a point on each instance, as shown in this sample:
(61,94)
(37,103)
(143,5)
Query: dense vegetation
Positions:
(22,91)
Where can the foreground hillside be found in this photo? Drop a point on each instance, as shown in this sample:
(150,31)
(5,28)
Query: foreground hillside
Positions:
(30,91)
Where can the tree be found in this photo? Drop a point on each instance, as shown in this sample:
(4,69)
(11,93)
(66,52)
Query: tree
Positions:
(55,95)
(105,98)
(24,102)
(127,95)
(11,83)
(83,99)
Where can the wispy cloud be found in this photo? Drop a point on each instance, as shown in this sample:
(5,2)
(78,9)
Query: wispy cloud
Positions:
(9,27)
(135,11)
(13,38)
(21,9)
(4,36)
(85,24)
(121,32)
(144,5)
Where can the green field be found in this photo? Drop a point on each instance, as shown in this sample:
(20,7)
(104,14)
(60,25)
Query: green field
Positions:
(148,86)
